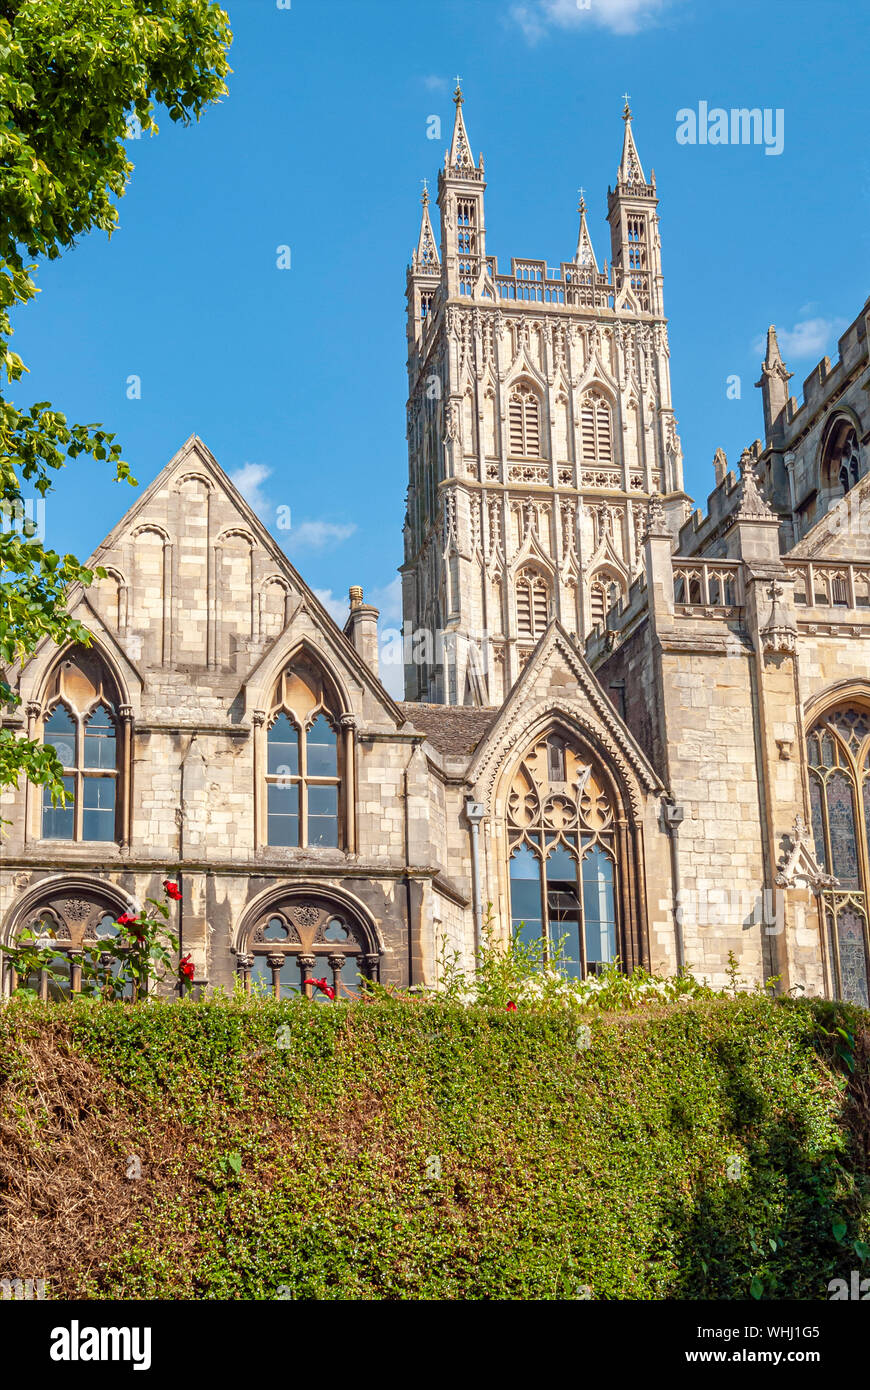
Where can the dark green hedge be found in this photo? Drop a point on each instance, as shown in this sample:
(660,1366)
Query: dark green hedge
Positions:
(706,1150)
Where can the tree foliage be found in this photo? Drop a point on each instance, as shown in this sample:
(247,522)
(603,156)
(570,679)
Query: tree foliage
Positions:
(74,74)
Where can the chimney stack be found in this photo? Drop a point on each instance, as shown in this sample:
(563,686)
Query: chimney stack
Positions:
(361,628)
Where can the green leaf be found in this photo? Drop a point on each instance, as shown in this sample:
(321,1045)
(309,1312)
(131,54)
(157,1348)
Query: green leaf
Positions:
(756,1288)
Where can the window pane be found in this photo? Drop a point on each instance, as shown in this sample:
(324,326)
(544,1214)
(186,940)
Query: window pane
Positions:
(291,977)
(275,931)
(58,821)
(817,821)
(98,821)
(106,926)
(335,930)
(60,732)
(61,986)
(320,747)
(283,748)
(841,820)
(526,920)
(323,816)
(563,910)
(598,906)
(853,956)
(100,745)
(283,815)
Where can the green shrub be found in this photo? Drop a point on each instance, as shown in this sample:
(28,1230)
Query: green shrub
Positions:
(713,1148)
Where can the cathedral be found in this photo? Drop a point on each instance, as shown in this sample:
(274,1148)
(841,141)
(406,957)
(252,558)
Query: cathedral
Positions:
(630,726)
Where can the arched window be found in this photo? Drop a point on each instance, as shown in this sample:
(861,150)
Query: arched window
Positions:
(838,753)
(563,857)
(533,604)
(303,777)
(307,938)
(604,593)
(596,431)
(524,423)
(81,723)
(72,923)
(841,465)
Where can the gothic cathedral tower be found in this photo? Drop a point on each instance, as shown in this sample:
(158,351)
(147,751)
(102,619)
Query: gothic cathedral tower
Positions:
(539,424)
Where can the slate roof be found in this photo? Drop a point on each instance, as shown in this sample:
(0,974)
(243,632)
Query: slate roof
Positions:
(455,730)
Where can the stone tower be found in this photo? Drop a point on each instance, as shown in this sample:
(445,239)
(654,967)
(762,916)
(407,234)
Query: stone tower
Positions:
(539,424)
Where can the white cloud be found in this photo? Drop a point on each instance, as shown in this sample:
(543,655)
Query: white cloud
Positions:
(809,338)
(317,534)
(249,479)
(435,84)
(536,17)
(337,608)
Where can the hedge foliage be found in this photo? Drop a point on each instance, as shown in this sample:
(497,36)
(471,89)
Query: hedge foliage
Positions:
(257,1150)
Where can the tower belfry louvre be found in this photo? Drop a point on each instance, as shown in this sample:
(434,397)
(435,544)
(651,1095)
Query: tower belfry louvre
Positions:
(540,423)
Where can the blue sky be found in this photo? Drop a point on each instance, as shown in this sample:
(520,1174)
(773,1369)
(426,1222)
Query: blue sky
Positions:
(296,378)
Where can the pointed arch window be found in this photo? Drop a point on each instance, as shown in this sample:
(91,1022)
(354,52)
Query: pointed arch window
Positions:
(838,754)
(605,593)
(596,428)
(564,859)
(524,423)
(304,757)
(81,722)
(533,604)
(841,467)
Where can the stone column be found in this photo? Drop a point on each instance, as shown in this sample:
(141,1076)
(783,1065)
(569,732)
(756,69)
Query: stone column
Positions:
(125,772)
(33,710)
(258,719)
(348,731)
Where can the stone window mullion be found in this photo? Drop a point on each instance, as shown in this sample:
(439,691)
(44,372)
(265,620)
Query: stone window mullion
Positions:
(79,780)
(303,788)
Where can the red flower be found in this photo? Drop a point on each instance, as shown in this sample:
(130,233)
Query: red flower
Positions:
(125,920)
(511,1006)
(327,989)
(185,967)
(172,889)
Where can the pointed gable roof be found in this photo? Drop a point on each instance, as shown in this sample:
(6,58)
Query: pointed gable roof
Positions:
(574,692)
(194,458)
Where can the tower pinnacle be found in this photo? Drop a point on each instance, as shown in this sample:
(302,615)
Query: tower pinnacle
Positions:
(584,255)
(630,168)
(459,159)
(425,259)
(773,381)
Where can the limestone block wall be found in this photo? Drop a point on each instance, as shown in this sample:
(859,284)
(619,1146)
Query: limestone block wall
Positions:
(713,775)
